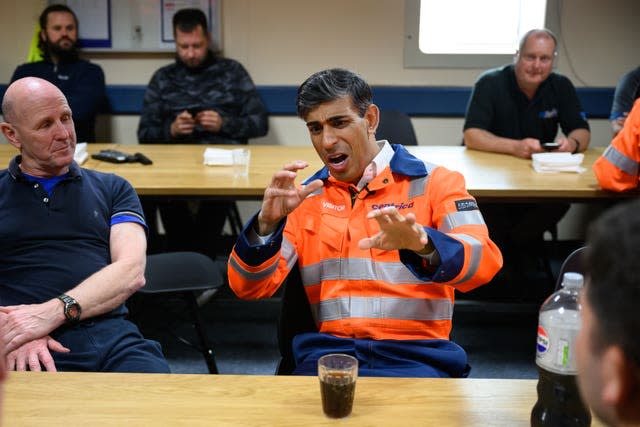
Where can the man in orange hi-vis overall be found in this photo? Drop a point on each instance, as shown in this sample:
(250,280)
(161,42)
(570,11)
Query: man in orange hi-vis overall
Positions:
(382,240)
(617,168)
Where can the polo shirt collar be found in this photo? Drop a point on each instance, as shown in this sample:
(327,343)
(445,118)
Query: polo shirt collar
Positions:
(14,169)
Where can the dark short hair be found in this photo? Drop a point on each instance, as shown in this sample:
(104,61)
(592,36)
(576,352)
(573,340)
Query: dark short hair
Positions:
(613,269)
(331,84)
(539,32)
(44,16)
(56,8)
(186,20)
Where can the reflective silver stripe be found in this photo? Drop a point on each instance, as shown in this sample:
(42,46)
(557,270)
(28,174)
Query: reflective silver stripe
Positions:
(258,275)
(417,186)
(383,308)
(357,269)
(457,219)
(622,162)
(474,257)
(287,251)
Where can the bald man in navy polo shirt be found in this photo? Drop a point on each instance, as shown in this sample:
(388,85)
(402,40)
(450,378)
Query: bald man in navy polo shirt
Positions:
(72,247)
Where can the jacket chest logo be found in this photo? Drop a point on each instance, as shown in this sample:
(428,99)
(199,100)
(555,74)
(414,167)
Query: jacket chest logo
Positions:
(331,206)
(399,206)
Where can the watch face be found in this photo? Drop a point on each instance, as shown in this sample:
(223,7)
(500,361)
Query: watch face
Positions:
(73,311)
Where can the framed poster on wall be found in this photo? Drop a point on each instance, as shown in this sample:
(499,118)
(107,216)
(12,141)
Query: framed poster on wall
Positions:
(136,25)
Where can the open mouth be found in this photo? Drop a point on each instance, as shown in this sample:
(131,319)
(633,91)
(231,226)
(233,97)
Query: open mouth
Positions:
(337,159)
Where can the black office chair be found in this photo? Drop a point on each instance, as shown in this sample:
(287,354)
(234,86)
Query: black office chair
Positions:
(573,263)
(235,221)
(193,276)
(396,127)
(295,318)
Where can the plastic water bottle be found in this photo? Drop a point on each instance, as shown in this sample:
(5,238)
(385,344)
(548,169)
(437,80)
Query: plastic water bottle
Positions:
(559,403)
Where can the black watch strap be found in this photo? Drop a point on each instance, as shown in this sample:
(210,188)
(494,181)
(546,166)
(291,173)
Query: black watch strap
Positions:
(72,309)
(577,149)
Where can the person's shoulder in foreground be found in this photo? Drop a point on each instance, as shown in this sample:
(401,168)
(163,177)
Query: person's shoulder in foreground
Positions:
(608,349)
(618,167)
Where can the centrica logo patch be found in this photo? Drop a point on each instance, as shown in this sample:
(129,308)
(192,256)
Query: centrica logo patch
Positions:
(329,205)
(398,206)
(466,205)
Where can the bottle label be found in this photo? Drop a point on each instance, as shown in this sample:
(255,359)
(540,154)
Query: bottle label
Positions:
(556,341)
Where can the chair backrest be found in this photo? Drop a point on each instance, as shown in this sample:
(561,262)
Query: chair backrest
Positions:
(181,271)
(295,318)
(396,127)
(573,263)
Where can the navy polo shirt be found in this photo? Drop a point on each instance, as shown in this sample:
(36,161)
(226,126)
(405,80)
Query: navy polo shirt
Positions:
(499,106)
(51,243)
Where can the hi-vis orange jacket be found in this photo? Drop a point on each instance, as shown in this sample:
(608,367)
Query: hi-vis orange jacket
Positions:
(373,293)
(617,168)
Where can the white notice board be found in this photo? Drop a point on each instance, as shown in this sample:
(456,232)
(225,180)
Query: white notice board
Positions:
(136,25)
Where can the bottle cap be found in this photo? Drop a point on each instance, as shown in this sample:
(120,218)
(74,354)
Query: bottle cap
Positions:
(572,280)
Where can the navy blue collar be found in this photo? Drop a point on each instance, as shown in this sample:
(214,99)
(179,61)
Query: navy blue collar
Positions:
(402,162)
(14,169)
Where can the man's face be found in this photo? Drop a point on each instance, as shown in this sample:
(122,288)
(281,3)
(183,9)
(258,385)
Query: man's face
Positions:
(192,47)
(590,362)
(43,131)
(61,33)
(535,61)
(344,141)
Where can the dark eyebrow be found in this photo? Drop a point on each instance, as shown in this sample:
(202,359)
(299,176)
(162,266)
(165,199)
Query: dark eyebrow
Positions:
(330,119)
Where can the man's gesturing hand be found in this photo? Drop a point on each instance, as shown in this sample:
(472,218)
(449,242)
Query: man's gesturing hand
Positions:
(396,232)
(282,196)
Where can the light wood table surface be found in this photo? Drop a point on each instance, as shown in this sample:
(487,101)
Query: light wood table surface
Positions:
(178,170)
(99,399)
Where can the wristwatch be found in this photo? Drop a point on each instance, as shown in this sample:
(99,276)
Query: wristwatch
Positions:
(72,309)
(577,149)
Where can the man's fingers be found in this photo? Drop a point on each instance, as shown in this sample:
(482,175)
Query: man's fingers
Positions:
(11,362)
(311,187)
(21,363)
(34,362)
(56,346)
(296,165)
(45,355)
(367,243)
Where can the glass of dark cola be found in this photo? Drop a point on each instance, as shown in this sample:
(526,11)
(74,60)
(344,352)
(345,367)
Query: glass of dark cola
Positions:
(337,374)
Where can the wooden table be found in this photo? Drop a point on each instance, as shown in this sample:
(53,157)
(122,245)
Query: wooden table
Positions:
(98,399)
(178,170)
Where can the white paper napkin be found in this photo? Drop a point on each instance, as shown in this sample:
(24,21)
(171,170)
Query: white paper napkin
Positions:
(217,157)
(81,155)
(557,162)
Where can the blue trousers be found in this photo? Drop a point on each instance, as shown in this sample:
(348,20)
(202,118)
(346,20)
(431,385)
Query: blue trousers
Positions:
(384,358)
(107,344)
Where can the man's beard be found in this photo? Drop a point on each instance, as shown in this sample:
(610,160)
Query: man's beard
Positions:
(64,54)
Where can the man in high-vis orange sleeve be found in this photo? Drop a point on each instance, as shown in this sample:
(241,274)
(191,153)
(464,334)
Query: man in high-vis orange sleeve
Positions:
(382,240)
(617,168)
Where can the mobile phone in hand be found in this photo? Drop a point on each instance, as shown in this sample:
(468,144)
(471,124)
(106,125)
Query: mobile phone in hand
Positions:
(550,145)
(192,109)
